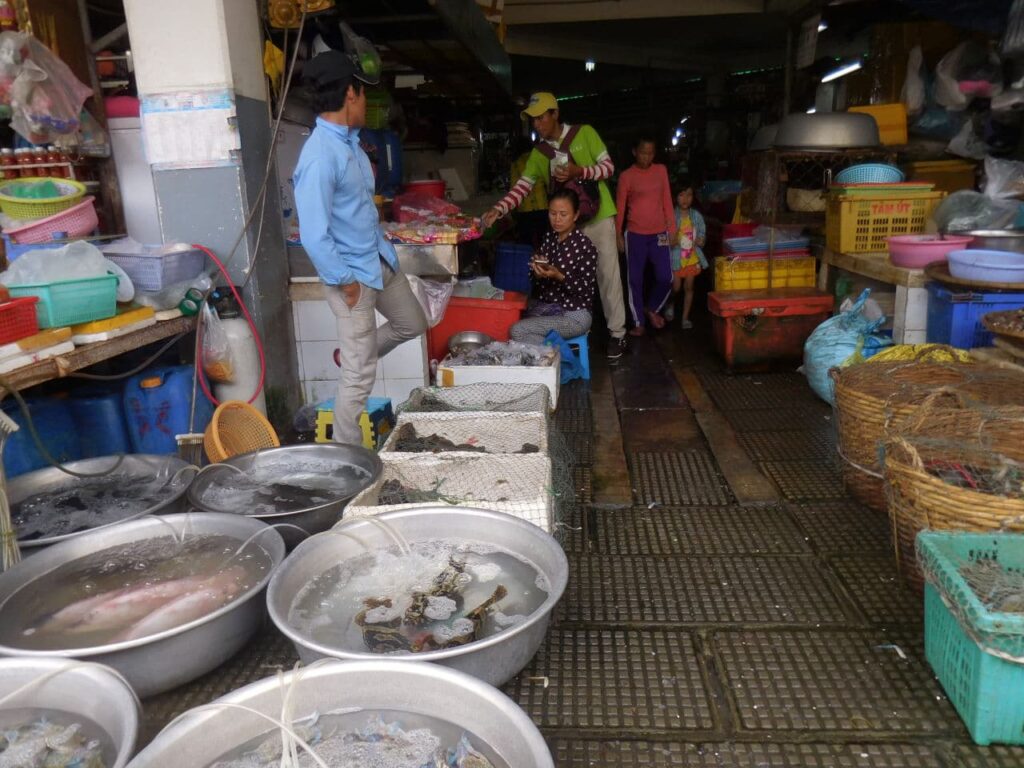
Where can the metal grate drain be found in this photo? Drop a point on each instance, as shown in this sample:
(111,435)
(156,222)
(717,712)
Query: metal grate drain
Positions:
(614,680)
(575,394)
(583,483)
(987,757)
(816,445)
(829,681)
(640,754)
(778,420)
(876,587)
(573,421)
(805,480)
(710,589)
(675,530)
(842,526)
(677,478)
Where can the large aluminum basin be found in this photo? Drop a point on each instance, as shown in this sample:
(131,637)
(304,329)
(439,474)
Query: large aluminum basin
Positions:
(495,659)
(166,659)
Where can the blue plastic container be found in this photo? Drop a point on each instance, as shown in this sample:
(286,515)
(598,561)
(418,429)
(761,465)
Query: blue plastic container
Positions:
(512,267)
(387,150)
(98,416)
(955,318)
(987,266)
(870,173)
(156,408)
(52,420)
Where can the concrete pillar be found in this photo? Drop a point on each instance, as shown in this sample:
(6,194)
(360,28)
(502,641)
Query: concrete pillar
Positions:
(201,49)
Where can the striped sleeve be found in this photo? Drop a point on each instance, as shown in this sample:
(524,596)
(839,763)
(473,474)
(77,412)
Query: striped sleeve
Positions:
(603,169)
(515,196)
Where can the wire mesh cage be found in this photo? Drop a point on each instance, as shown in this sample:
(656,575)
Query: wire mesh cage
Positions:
(522,486)
(506,398)
(468,432)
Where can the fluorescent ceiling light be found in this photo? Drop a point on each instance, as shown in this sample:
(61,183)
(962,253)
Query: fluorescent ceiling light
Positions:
(822,25)
(842,71)
(590,65)
(812,110)
(684,120)
(675,141)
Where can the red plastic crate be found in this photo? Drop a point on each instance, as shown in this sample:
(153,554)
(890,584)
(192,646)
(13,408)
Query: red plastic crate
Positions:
(491,316)
(753,329)
(18,319)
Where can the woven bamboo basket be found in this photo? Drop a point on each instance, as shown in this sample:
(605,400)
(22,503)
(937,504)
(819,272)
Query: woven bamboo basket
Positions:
(981,446)
(866,397)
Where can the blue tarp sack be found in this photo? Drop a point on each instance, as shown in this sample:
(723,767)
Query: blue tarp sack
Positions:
(841,340)
(572,368)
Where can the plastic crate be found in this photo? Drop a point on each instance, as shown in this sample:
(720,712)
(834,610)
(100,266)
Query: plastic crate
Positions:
(492,316)
(155,271)
(77,221)
(962,637)
(67,302)
(955,318)
(18,319)
(946,175)
(891,119)
(864,223)
(752,275)
(512,267)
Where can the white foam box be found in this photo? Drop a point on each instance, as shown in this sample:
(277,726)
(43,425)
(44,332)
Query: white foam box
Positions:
(497,433)
(518,485)
(449,375)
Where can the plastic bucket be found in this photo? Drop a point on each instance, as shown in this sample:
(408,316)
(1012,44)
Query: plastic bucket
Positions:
(98,416)
(156,407)
(430,187)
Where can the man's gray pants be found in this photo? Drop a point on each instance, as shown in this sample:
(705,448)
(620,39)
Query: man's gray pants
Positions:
(361,342)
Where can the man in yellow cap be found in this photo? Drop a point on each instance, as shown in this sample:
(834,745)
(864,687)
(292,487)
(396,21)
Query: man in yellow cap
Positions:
(574,156)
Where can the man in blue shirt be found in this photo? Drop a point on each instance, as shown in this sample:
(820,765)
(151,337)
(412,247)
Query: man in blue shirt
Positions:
(340,230)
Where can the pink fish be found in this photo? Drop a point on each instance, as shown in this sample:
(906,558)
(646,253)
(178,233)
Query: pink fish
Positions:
(206,598)
(125,607)
(72,614)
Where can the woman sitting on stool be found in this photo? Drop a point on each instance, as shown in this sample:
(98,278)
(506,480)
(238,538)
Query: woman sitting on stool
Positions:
(565,266)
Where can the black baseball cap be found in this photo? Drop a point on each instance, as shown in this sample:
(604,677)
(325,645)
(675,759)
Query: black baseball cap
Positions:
(332,68)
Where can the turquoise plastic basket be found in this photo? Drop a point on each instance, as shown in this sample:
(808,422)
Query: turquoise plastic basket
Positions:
(68,302)
(962,637)
(870,173)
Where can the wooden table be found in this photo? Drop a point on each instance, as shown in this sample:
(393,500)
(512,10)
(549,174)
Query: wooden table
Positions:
(90,354)
(910,316)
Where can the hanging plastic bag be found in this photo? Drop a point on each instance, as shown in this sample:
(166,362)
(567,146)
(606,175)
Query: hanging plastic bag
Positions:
(216,352)
(572,368)
(1004,179)
(433,296)
(913,87)
(841,340)
(966,209)
(967,71)
(967,143)
(1013,39)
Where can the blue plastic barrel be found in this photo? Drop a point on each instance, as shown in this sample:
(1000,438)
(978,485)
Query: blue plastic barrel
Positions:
(52,419)
(98,415)
(156,408)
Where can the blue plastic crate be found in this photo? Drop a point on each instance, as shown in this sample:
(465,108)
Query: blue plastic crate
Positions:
(954,318)
(512,267)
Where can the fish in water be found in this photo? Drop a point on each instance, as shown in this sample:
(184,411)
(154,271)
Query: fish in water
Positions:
(48,745)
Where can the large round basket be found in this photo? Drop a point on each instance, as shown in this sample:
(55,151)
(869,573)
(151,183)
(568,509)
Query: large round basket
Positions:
(953,464)
(868,395)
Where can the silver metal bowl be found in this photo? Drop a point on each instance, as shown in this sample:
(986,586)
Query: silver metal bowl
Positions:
(466,341)
(995,239)
(201,738)
(827,130)
(166,659)
(87,690)
(52,480)
(495,659)
(311,520)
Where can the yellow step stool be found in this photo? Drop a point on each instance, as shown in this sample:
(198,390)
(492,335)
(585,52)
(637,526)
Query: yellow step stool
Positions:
(376,422)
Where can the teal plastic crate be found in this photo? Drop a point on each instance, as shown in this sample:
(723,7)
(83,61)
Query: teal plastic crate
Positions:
(68,302)
(970,648)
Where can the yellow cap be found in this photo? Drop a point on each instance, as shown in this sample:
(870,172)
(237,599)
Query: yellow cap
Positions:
(539,104)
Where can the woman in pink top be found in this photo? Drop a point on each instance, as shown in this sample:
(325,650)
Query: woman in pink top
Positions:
(644,203)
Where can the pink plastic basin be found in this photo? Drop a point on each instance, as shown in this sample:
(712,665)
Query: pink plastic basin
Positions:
(918,251)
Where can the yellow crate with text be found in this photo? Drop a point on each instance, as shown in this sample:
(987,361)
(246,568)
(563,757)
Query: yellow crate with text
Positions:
(376,422)
(864,223)
(752,274)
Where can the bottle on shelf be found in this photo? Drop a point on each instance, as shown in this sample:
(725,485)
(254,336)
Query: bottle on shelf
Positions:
(23,158)
(39,159)
(7,164)
(56,161)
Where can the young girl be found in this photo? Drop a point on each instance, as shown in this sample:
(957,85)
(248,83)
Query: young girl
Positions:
(687,254)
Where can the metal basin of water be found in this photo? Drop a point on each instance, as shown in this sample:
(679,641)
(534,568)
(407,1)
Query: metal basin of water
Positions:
(166,659)
(494,659)
(91,691)
(200,738)
(311,520)
(139,465)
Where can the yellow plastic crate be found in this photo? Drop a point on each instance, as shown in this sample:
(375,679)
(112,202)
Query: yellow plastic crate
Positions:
(946,175)
(752,274)
(864,224)
(891,119)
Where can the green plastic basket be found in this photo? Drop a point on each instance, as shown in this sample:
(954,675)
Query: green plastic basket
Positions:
(71,192)
(69,302)
(968,645)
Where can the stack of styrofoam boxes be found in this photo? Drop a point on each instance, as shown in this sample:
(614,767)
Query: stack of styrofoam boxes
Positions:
(503,479)
(316,334)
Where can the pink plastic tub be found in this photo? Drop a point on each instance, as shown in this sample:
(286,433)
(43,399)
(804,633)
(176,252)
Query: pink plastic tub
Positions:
(918,251)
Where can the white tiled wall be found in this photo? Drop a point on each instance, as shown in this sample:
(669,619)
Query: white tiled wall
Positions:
(316,335)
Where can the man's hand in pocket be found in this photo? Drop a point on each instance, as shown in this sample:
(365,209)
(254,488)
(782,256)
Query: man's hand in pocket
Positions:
(350,293)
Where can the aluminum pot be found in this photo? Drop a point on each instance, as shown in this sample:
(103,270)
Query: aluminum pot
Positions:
(166,659)
(131,465)
(495,659)
(311,520)
(88,690)
(827,130)
(995,239)
(201,738)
